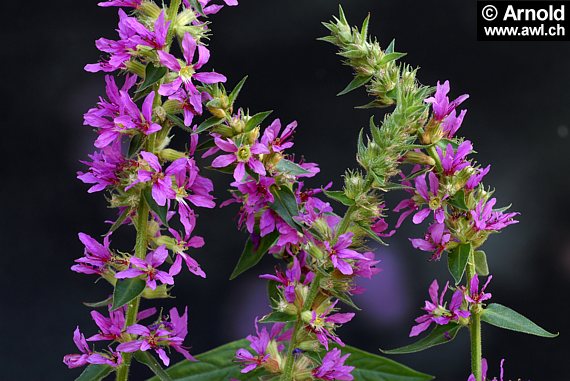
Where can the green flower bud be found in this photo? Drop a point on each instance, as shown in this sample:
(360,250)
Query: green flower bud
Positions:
(136,68)
(307,316)
(150,9)
(170,154)
(419,158)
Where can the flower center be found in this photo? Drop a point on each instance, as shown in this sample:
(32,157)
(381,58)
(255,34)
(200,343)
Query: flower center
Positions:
(186,73)
(243,153)
(434,203)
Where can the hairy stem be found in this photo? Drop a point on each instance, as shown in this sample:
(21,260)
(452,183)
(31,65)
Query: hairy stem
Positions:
(133,306)
(475,327)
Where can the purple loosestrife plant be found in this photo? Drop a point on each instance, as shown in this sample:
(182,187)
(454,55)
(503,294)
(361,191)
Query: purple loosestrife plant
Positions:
(446,181)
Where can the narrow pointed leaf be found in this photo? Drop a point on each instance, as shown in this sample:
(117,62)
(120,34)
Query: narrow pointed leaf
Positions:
(178,122)
(207,124)
(390,48)
(161,211)
(273,293)
(235,92)
(198,7)
(291,168)
(364,29)
(504,317)
(150,361)
(441,334)
(120,220)
(339,196)
(357,82)
(458,201)
(152,75)
(391,57)
(252,255)
(371,233)
(126,290)
(135,145)
(95,372)
(457,261)
(345,298)
(278,317)
(102,303)
(256,120)
(285,205)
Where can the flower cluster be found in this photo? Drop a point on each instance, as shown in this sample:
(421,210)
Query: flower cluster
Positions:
(156,188)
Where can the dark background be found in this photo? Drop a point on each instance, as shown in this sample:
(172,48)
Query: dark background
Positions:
(518,119)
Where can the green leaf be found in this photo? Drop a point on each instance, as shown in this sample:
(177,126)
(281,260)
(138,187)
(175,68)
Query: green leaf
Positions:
(206,144)
(285,205)
(135,145)
(102,303)
(208,123)
(95,372)
(235,92)
(152,75)
(370,367)
(179,122)
(441,334)
(161,211)
(126,290)
(198,7)
(457,260)
(503,317)
(219,365)
(458,200)
(147,359)
(390,48)
(358,81)
(256,120)
(251,255)
(278,317)
(364,29)
(120,220)
(371,233)
(287,166)
(215,365)
(391,57)
(345,298)
(481,266)
(339,196)
(273,293)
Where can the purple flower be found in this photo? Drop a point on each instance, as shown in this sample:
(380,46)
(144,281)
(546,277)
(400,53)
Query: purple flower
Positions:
(278,142)
(95,256)
(431,197)
(484,368)
(243,155)
(80,359)
(485,218)
(187,71)
(161,181)
(111,328)
(435,240)
(288,280)
(121,3)
(157,336)
(119,51)
(333,368)
(452,122)
(259,345)
(366,268)
(477,177)
(323,325)
(339,253)
(155,39)
(380,226)
(436,309)
(104,168)
(133,118)
(149,268)
(183,244)
(441,105)
(473,295)
(454,161)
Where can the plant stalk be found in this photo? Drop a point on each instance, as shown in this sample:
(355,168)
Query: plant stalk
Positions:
(141,225)
(475,327)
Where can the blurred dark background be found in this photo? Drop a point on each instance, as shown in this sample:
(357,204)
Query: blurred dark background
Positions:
(518,119)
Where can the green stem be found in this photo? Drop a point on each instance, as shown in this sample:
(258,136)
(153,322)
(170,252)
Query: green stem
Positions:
(475,327)
(172,11)
(433,154)
(141,225)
